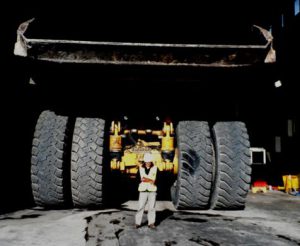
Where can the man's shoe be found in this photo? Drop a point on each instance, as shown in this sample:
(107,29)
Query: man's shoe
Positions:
(151,226)
(137,226)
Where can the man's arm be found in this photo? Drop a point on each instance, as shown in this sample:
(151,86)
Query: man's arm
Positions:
(152,176)
(147,180)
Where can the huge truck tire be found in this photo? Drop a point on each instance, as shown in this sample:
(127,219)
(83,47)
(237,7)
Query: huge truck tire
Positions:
(233,165)
(49,170)
(86,162)
(192,188)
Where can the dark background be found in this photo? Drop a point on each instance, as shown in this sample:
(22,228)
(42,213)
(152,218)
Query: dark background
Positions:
(205,94)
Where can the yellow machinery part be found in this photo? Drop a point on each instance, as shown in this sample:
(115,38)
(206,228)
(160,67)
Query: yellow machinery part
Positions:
(115,140)
(122,166)
(130,162)
(175,162)
(131,171)
(291,182)
(115,143)
(115,126)
(114,164)
(167,142)
(149,144)
(134,156)
(130,159)
(168,128)
(144,132)
(157,133)
(168,165)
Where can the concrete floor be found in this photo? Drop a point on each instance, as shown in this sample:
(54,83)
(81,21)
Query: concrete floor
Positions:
(272,218)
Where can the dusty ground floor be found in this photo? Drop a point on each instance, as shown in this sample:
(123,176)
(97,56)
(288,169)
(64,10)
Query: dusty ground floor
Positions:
(272,218)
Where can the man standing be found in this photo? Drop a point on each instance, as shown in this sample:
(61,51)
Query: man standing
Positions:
(147,189)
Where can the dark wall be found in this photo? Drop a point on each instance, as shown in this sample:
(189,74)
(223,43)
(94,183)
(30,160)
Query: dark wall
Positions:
(16,119)
(216,21)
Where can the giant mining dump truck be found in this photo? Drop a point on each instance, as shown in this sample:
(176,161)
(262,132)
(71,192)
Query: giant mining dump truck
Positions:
(84,141)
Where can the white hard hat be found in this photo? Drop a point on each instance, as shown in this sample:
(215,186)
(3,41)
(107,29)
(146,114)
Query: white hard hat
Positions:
(148,157)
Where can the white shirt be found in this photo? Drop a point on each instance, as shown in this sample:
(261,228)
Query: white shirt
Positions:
(146,186)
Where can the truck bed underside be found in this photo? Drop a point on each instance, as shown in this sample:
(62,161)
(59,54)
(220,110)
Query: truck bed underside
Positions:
(145,54)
